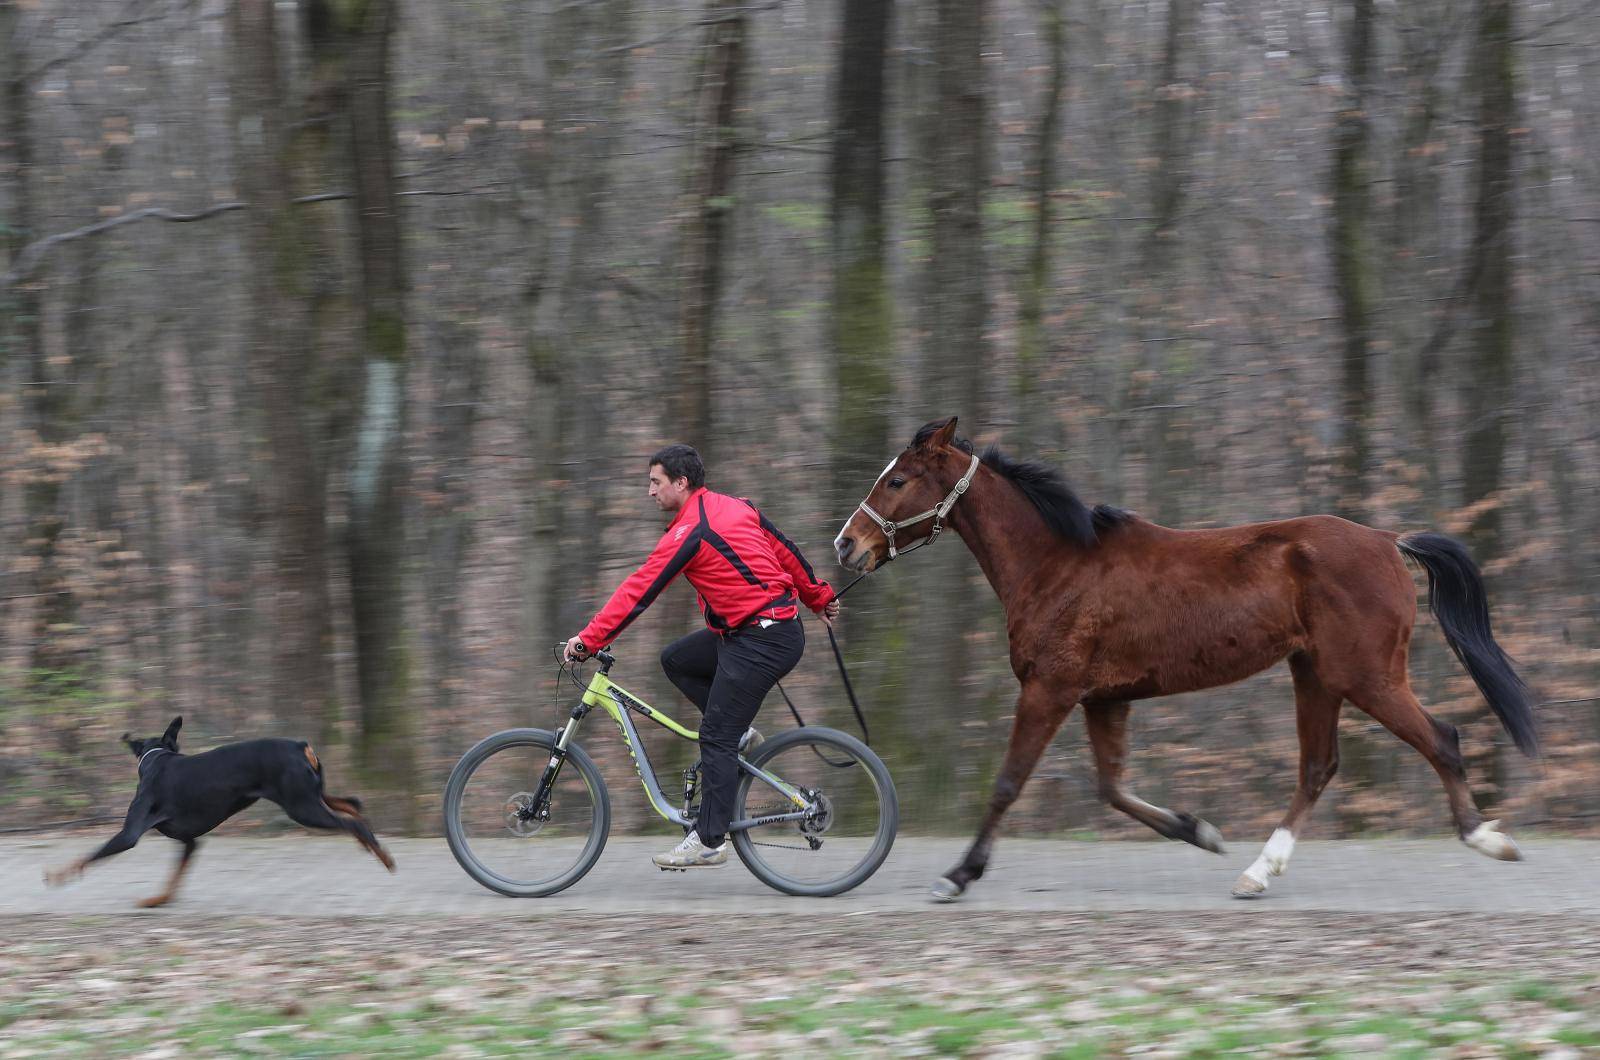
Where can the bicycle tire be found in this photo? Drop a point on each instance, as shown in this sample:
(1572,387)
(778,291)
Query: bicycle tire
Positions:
(461,846)
(749,847)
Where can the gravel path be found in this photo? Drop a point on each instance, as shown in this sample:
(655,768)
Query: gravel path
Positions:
(306,875)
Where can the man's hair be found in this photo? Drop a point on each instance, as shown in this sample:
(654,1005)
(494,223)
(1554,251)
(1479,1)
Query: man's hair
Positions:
(681,461)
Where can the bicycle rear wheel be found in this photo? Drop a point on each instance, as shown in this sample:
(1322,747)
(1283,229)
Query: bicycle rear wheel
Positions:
(842,845)
(507,851)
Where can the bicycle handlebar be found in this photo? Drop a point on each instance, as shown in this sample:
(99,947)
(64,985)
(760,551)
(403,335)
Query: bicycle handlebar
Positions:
(605,658)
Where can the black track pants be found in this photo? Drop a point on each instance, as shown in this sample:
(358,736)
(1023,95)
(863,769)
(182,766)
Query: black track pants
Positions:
(727,678)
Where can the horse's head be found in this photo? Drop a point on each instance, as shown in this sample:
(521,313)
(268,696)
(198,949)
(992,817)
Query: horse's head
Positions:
(908,503)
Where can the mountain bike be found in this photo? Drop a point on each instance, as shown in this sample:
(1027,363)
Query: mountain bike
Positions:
(527,813)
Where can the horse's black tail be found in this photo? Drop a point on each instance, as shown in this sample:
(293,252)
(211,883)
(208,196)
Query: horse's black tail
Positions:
(1458,600)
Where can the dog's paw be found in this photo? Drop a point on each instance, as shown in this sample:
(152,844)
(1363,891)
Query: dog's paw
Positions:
(152,903)
(61,876)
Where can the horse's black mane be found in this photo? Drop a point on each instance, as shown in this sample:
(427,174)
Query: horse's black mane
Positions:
(1066,516)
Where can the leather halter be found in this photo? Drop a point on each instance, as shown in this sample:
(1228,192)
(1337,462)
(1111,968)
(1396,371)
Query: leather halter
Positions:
(937,513)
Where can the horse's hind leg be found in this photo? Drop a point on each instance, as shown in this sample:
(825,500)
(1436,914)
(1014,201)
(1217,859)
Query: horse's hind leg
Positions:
(1039,714)
(1395,707)
(1316,715)
(1107,724)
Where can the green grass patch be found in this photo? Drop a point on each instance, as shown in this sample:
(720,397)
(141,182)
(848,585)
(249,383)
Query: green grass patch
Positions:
(427,1011)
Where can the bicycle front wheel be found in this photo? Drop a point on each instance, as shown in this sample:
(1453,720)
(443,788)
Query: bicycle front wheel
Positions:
(844,843)
(506,850)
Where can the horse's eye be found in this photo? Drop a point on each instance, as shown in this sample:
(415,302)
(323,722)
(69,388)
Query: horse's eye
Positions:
(896,482)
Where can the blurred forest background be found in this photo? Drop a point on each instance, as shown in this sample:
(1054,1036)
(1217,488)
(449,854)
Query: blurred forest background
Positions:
(337,334)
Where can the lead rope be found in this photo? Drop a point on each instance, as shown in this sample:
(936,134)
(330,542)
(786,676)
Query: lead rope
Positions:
(844,675)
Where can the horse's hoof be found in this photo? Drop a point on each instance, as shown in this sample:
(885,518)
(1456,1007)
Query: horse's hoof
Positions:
(1206,837)
(1487,839)
(946,890)
(1249,887)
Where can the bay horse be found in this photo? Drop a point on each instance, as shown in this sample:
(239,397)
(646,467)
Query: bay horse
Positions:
(1104,608)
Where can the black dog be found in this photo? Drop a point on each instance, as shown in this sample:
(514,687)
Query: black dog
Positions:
(186,796)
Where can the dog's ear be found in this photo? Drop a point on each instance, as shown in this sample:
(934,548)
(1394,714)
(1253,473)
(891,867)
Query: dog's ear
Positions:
(127,738)
(170,737)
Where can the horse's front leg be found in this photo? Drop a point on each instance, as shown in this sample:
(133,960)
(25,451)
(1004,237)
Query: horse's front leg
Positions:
(1040,712)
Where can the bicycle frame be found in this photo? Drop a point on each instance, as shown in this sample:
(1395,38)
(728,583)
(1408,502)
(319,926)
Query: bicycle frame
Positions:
(605,694)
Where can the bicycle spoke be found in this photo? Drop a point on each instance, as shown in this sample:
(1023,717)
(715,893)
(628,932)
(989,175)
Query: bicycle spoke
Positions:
(497,832)
(853,817)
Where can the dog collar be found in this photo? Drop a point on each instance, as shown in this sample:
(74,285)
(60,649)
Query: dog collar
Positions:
(148,753)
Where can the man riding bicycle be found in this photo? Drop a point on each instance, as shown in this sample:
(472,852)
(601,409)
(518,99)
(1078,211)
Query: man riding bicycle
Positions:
(748,576)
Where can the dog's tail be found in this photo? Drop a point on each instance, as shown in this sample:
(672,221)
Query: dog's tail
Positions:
(345,804)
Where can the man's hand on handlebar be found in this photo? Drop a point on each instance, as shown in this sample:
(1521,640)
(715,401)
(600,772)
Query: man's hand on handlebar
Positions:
(575,651)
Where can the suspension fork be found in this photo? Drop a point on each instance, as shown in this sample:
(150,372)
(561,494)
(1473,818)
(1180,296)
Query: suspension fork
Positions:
(540,810)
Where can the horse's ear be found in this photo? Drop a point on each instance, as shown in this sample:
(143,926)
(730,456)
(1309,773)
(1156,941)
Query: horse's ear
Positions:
(944,436)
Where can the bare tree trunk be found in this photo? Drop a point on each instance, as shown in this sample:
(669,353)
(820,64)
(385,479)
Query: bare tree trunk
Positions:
(46,387)
(458,372)
(1172,113)
(1415,234)
(569,200)
(1490,309)
(1352,264)
(377,537)
(710,209)
(958,305)
(1489,397)
(954,318)
(1039,428)
(863,316)
(1351,269)
(280,338)
(23,346)
(1167,444)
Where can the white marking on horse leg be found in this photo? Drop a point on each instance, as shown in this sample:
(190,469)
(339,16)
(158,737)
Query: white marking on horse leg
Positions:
(1489,840)
(1273,861)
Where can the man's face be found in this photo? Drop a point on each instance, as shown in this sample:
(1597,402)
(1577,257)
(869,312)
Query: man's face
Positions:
(668,493)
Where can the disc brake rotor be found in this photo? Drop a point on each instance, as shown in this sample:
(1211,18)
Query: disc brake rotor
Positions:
(822,820)
(520,820)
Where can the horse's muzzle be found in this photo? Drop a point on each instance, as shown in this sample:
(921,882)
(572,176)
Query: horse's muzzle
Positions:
(843,546)
(851,557)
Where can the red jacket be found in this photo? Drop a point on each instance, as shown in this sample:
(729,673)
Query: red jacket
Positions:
(741,565)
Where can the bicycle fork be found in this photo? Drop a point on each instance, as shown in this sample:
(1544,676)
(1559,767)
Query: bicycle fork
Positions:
(540,809)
